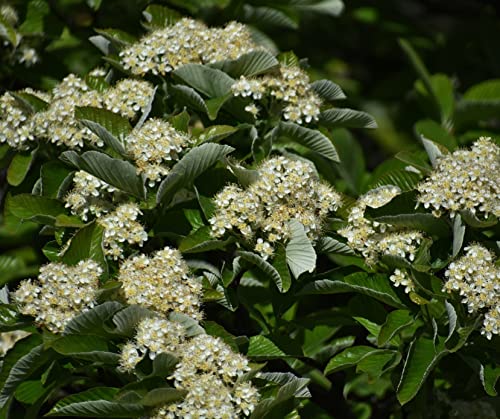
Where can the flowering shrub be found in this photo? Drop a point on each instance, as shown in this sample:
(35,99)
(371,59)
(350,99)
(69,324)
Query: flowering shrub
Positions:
(204,252)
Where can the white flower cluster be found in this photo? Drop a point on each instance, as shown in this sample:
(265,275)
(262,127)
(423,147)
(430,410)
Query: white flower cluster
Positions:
(9,339)
(286,189)
(401,277)
(373,239)
(187,41)
(207,369)
(128,97)
(121,226)
(16,127)
(88,196)
(154,335)
(57,122)
(465,180)
(291,88)
(153,144)
(161,282)
(477,278)
(60,293)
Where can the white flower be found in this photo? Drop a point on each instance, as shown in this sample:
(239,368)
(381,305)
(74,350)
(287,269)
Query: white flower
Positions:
(60,293)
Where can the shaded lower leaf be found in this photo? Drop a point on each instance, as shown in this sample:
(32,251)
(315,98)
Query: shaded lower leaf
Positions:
(377,286)
(396,321)
(264,266)
(261,347)
(22,369)
(351,357)
(421,359)
(20,166)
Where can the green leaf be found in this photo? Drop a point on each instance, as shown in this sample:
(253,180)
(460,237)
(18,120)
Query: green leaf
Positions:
(180,121)
(163,365)
(188,96)
(435,132)
(251,64)
(86,244)
(96,403)
(348,118)
(489,376)
(245,176)
(201,240)
(94,4)
(452,319)
(91,321)
(330,245)
(327,90)
(10,267)
(417,159)
(418,221)
(211,82)
(214,329)
(89,347)
(8,33)
(268,16)
(265,267)
(421,71)
(300,254)
(29,391)
(443,89)
(126,320)
(160,16)
(53,175)
(421,359)
(23,369)
(102,119)
(289,59)
(215,104)
(280,264)
(433,150)
(351,357)
(458,235)
(405,180)
(310,138)
(269,407)
(261,348)
(107,138)
(192,165)
(163,396)
(116,172)
(20,166)
(192,327)
(377,286)
(395,322)
(36,208)
(327,7)
(284,378)
(375,364)
(473,221)
(35,16)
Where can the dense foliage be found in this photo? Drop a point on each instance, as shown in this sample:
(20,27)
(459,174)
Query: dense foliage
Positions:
(189,228)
